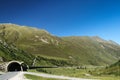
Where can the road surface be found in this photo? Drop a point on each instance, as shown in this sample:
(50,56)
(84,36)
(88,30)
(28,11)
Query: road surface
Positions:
(20,76)
(12,76)
(55,76)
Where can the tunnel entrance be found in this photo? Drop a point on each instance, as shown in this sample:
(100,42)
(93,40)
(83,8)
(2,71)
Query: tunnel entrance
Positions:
(14,66)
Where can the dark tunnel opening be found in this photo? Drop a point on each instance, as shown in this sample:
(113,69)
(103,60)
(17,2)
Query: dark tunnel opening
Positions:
(14,66)
(24,66)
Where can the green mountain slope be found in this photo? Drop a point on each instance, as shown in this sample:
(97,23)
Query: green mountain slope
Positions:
(93,50)
(113,69)
(32,40)
(10,52)
(77,50)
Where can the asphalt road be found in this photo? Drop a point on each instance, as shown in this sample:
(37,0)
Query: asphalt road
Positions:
(56,76)
(11,76)
(20,76)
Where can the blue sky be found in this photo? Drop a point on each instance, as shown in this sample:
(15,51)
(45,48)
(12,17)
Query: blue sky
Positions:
(66,17)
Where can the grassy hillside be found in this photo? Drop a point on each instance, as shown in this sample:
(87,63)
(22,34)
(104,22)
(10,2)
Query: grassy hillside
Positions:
(114,69)
(32,40)
(10,52)
(90,50)
(75,50)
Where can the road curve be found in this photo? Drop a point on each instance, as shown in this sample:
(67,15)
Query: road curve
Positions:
(12,76)
(20,76)
(56,76)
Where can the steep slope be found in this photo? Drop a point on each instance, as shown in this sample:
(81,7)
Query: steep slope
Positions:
(32,40)
(93,50)
(77,50)
(10,52)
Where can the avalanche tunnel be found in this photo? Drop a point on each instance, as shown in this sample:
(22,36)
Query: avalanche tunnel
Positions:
(15,66)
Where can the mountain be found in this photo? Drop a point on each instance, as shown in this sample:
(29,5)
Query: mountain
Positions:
(93,50)
(32,40)
(77,50)
(11,52)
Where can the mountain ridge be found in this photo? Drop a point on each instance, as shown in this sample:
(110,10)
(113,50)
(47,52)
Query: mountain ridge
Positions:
(79,50)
